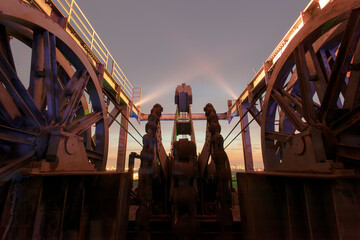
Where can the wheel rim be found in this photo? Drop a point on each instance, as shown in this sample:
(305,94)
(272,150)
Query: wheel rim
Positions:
(63,91)
(311,97)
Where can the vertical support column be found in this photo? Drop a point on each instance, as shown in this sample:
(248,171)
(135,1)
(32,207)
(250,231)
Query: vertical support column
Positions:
(120,165)
(245,135)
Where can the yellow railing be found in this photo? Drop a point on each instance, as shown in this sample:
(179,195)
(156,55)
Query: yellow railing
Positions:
(78,21)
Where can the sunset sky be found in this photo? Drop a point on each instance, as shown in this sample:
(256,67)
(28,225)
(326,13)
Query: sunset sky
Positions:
(213,45)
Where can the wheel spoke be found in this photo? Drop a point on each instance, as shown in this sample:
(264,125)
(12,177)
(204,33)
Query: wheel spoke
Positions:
(68,91)
(348,151)
(352,95)
(13,135)
(18,92)
(324,64)
(304,84)
(7,172)
(320,82)
(4,116)
(82,124)
(51,77)
(281,137)
(347,48)
(327,67)
(8,108)
(77,92)
(290,98)
(347,120)
(289,111)
(285,125)
(292,81)
(37,85)
(5,46)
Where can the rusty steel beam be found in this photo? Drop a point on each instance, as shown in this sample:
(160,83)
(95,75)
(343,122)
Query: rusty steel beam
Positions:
(245,136)
(304,84)
(8,106)
(82,124)
(195,116)
(80,80)
(19,93)
(37,69)
(320,82)
(50,77)
(121,157)
(290,112)
(5,46)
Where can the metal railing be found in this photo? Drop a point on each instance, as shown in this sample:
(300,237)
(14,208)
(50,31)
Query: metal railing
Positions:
(77,20)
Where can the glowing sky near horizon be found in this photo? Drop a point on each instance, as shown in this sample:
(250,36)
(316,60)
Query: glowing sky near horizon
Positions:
(212,45)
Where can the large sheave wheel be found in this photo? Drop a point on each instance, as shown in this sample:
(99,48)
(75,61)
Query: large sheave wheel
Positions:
(62,101)
(310,118)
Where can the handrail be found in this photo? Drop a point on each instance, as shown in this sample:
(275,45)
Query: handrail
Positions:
(82,26)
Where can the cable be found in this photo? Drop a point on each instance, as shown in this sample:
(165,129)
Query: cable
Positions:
(234,127)
(248,109)
(125,129)
(131,123)
(115,105)
(243,129)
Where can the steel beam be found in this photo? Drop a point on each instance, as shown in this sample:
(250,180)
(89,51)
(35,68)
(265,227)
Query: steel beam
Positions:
(194,116)
(304,84)
(121,158)
(5,46)
(245,135)
(36,86)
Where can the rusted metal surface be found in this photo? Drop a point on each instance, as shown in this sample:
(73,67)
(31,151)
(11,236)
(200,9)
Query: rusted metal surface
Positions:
(280,206)
(222,170)
(305,99)
(65,207)
(245,136)
(121,158)
(149,168)
(184,167)
(179,195)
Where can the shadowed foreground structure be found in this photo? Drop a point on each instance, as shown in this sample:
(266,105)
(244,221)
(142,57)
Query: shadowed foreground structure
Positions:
(54,133)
